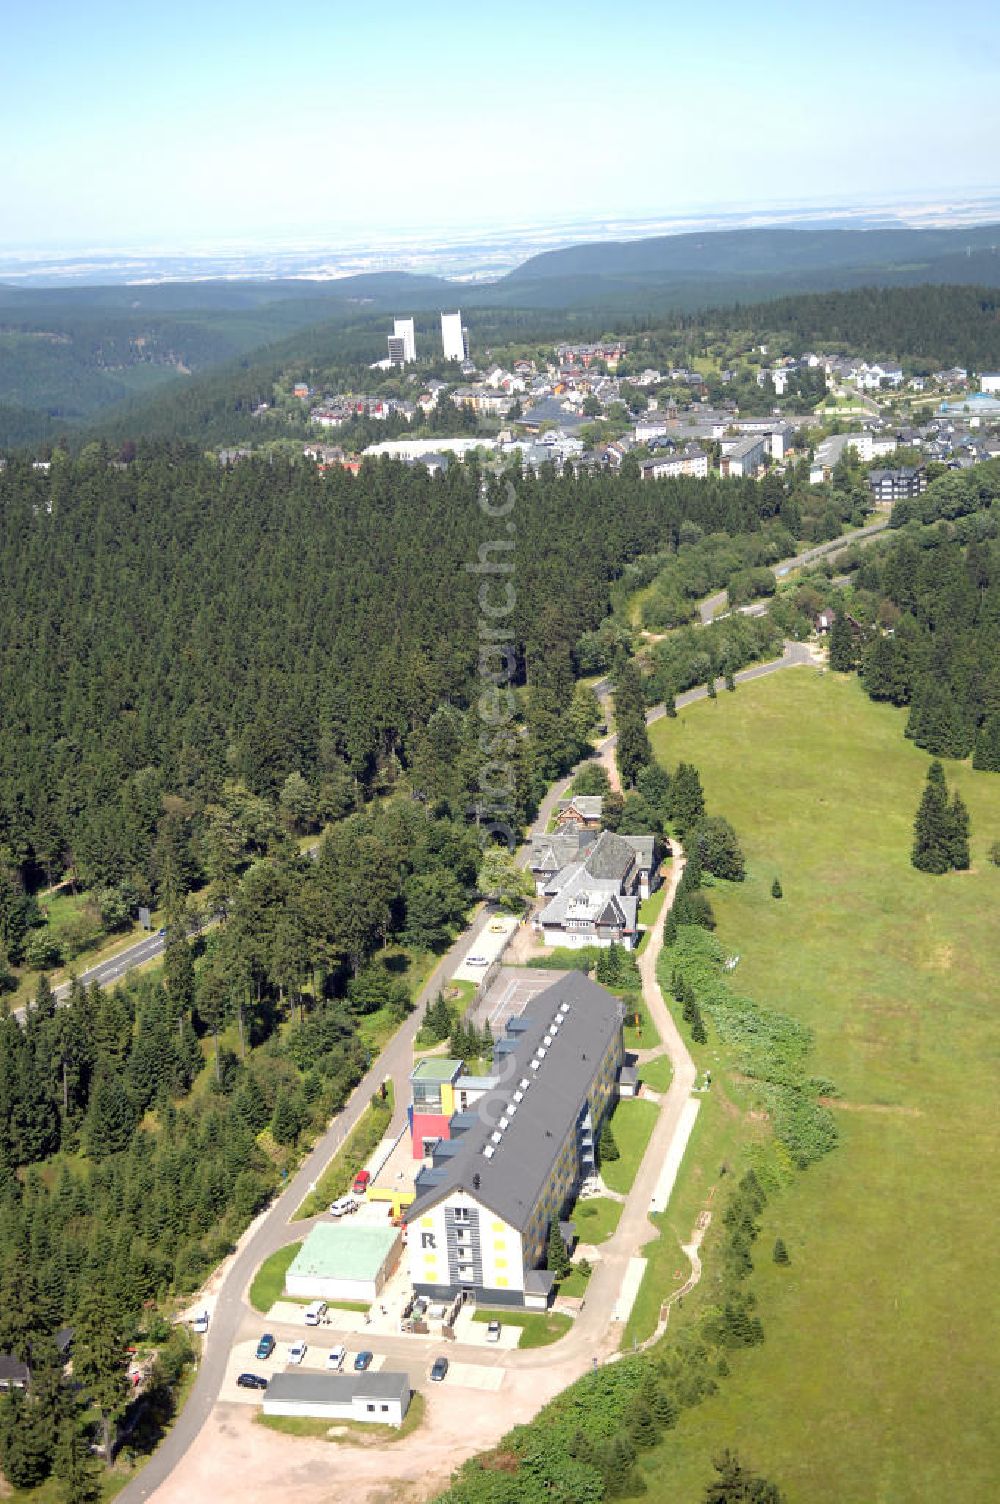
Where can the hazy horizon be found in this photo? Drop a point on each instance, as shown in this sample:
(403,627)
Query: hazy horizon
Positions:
(174,129)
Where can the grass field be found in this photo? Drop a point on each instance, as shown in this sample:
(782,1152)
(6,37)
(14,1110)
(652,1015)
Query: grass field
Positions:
(596,1218)
(632,1124)
(877,1380)
(649,911)
(657,1074)
(645,1035)
(538,1328)
(269,1281)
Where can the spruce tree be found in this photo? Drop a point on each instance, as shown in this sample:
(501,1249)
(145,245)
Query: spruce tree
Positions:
(842,657)
(780,1254)
(986,757)
(642,1426)
(776,891)
(608,1145)
(736,1485)
(932,828)
(958,833)
(558,1259)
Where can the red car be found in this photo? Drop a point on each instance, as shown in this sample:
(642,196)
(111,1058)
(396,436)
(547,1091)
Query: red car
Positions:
(361,1180)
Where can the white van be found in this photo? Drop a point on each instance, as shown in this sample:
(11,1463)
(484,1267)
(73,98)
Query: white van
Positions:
(335,1358)
(315,1312)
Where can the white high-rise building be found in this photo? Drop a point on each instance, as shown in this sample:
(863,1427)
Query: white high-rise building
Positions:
(452,336)
(403,329)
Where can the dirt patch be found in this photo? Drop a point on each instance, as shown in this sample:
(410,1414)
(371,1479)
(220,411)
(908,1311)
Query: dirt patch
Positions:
(941,958)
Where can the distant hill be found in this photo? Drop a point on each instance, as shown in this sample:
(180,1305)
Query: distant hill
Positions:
(763,252)
(70,354)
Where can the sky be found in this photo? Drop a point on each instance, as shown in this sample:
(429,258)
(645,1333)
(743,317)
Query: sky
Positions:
(182,124)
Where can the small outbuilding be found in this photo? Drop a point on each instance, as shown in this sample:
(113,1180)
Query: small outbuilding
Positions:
(380,1398)
(344,1260)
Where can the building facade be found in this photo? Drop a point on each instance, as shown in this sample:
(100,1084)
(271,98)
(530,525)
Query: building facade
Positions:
(452,338)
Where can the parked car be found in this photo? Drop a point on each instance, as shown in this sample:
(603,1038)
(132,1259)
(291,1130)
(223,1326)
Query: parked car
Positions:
(297,1351)
(493,1331)
(361,1180)
(200,1322)
(343,1206)
(335,1358)
(265,1347)
(438,1370)
(251,1381)
(363,1360)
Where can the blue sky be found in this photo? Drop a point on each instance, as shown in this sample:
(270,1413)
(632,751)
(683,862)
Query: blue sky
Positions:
(182,123)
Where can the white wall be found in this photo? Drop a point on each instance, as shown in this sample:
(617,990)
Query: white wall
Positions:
(331,1287)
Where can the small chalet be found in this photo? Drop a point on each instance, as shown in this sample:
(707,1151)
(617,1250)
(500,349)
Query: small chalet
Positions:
(582,812)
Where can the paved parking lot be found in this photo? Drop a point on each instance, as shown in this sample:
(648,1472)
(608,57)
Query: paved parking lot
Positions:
(511,993)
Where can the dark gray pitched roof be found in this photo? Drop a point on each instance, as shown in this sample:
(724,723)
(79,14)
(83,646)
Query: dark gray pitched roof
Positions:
(552,852)
(611,857)
(12,1370)
(511,1179)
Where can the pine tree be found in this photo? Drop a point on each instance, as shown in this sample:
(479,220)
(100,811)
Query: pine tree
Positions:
(986,757)
(75,1466)
(642,1426)
(842,656)
(736,1485)
(558,1259)
(99,1359)
(931,828)
(958,833)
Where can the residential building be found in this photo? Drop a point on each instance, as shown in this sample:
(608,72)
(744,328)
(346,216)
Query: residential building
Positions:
(895,485)
(870,446)
(484,1207)
(403,329)
(452,340)
(549,854)
(651,426)
(691,460)
(782,439)
(375,1396)
(744,457)
(595,899)
(989,382)
(397,350)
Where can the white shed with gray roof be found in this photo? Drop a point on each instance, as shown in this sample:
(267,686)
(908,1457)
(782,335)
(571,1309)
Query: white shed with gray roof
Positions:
(382,1398)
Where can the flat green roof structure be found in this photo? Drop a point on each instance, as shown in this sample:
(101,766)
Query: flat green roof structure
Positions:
(440,1068)
(343,1250)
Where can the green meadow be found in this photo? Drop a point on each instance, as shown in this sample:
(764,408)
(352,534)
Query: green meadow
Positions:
(877,1379)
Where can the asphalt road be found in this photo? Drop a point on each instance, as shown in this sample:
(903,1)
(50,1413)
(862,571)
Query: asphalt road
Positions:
(715,603)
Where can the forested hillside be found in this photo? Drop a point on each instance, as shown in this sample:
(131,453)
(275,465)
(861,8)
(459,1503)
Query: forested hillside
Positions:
(941,326)
(169,626)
